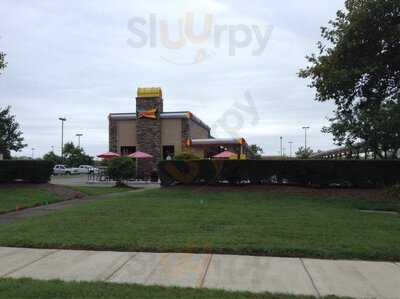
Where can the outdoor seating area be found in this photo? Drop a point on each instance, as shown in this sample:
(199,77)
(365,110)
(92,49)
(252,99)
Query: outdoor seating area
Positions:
(103,176)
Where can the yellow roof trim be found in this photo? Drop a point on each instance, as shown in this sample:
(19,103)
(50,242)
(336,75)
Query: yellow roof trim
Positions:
(149,92)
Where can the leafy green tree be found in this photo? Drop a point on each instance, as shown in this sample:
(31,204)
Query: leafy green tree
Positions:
(304,153)
(51,156)
(75,156)
(256,152)
(120,169)
(358,68)
(10,134)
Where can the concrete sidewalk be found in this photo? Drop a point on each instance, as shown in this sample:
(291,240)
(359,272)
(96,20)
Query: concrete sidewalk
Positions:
(357,279)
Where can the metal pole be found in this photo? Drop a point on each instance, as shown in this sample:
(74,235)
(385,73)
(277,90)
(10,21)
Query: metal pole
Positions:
(62,139)
(79,139)
(33,153)
(63,119)
(305,137)
(281,138)
(291,144)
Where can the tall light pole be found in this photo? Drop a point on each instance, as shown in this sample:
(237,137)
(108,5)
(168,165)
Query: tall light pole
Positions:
(79,139)
(291,145)
(305,137)
(281,138)
(63,119)
(33,155)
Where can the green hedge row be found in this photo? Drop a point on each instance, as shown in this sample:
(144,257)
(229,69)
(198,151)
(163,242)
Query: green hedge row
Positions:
(33,171)
(354,173)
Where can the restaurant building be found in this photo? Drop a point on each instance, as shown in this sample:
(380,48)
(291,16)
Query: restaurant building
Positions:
(164,134)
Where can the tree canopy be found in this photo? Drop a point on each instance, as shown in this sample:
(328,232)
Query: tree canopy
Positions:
(120,169)
(73,156)
(51,156)
(10,134)
(358,67)
(304,153)
(255,151)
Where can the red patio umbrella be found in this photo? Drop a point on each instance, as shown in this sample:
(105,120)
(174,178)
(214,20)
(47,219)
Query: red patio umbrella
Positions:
(224,155)
(108,155)
(140,155)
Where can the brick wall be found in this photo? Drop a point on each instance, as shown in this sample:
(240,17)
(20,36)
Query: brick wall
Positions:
(113,133)
(148,134)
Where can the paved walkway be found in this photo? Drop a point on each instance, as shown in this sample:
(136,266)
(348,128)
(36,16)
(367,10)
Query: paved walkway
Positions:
(82,180)
(357,279)
(47,209)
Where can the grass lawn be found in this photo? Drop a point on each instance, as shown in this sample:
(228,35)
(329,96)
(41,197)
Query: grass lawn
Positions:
(24,197)
(99,190)
(181,220)
(26,288)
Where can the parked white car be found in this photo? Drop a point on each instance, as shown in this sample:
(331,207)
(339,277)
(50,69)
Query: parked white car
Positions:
(88,169)
(62,169)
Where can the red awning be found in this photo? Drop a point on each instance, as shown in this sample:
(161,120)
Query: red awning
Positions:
(140,155)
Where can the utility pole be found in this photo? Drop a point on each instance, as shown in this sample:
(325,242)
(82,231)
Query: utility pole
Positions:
(291,145)
(305,137)
(281,138)
(63,119)
(79,139)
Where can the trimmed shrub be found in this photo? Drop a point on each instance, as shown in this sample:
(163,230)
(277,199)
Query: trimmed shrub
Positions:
(32,171)
(354,173)
(184,156)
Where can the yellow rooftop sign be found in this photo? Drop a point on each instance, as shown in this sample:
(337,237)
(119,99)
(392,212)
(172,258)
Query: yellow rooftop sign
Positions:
(149,92)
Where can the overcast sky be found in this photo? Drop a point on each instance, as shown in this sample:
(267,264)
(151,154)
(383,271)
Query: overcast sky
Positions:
(84,59)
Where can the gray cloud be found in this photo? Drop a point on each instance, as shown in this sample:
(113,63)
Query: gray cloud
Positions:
(72,59)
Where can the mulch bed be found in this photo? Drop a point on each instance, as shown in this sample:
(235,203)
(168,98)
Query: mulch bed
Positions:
(367,194)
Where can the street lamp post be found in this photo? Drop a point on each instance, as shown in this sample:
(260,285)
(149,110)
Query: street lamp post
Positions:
(33,155)
(63,119)
(291,145)
(79,139)
(305,137)
(281,138)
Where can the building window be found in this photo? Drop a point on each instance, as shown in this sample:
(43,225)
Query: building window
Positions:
(168,151)
(127,150)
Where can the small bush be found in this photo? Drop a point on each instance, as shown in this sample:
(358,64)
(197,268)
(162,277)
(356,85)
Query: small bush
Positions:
(120,169)
(186,156)
(30,171)
(393,192)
